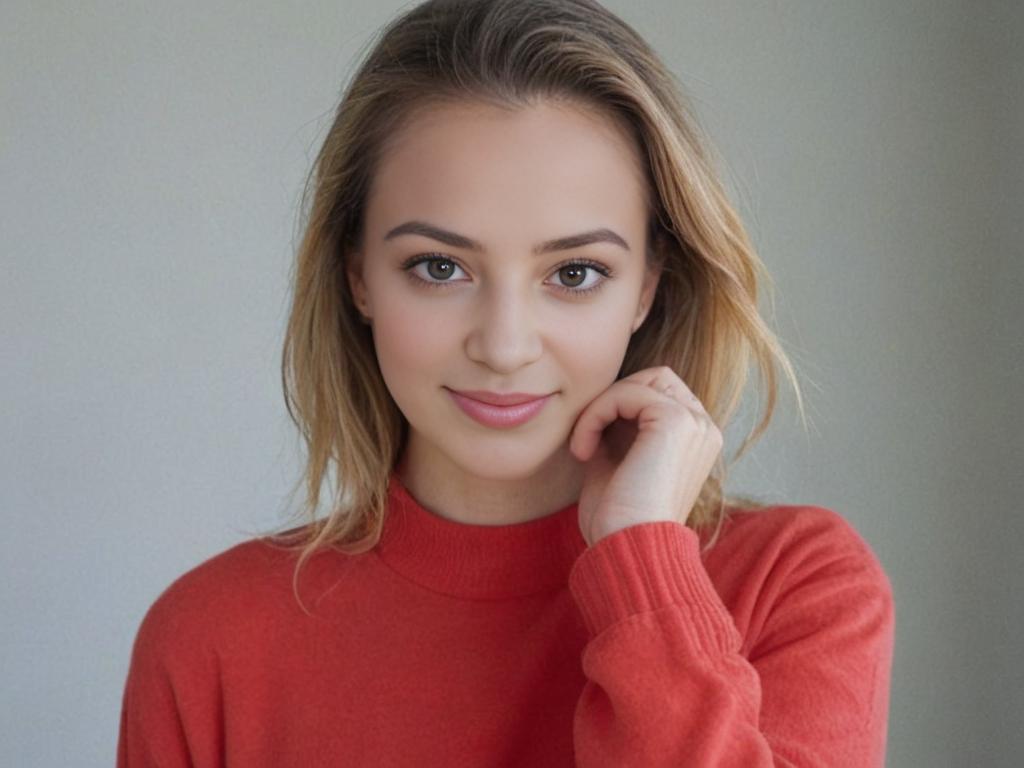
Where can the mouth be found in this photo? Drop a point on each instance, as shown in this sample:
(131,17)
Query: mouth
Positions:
(498,398)
(500,416)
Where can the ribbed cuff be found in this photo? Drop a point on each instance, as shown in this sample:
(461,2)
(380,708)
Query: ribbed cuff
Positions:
(647,567)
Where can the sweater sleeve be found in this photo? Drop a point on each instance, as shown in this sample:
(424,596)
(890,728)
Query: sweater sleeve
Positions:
(668,686)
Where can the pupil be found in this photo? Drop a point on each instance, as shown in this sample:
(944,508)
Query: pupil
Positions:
(441,265)
(578,270)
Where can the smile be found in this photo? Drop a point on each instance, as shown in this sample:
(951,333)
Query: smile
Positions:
(498,416)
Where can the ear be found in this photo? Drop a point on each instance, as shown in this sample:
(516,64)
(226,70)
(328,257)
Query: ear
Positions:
(354,274)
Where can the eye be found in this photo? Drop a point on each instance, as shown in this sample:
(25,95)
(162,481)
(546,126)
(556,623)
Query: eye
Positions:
(440,268)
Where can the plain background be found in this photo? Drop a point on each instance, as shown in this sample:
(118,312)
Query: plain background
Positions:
(151,161)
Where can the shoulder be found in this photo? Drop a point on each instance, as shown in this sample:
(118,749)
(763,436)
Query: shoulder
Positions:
(805,533)
(224,591)
(807,558)
(796,550)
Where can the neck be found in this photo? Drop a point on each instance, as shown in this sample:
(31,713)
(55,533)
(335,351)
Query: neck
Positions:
(460,496)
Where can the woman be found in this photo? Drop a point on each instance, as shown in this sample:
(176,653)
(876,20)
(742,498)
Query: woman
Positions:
(523,312)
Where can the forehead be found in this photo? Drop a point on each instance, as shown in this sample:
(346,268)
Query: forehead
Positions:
(546,166)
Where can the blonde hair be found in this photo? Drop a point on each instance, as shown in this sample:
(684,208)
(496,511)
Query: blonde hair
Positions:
(704,322)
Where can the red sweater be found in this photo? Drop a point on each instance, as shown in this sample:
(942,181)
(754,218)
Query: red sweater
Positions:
(517,645)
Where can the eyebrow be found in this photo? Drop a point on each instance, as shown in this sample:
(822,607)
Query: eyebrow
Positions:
(455,240)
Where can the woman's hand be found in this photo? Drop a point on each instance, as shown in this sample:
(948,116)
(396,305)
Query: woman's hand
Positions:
(646,471)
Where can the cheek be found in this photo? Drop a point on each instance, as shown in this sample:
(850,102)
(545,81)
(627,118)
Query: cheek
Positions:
(412,348)
(589,357)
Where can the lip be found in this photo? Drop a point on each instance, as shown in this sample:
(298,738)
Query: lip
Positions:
(499,415)
(497,398)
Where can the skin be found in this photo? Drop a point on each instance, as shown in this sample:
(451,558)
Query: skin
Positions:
(511,180)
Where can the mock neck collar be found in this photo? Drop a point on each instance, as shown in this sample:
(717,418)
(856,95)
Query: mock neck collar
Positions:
(478,561)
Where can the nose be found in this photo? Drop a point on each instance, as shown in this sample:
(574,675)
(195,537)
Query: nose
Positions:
(505,334)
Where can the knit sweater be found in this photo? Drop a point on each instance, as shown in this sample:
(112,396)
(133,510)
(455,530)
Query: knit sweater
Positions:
(452,644)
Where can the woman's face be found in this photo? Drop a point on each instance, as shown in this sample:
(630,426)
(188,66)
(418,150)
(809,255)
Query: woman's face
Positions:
(490,313)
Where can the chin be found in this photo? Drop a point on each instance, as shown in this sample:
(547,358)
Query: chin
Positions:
(517,459)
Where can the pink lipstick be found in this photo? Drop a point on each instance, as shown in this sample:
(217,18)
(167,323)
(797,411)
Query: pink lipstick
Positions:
(518,408)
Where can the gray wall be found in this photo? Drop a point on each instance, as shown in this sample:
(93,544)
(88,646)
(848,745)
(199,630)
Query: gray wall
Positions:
(151,159)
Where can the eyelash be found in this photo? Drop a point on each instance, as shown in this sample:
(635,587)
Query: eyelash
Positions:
(429,257)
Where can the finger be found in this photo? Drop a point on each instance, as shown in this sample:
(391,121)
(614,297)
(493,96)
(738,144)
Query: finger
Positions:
(653,375)
(684,396)
(667,381)
(623,400)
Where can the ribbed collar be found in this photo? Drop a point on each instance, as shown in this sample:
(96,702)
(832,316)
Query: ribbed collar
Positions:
(478,561)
